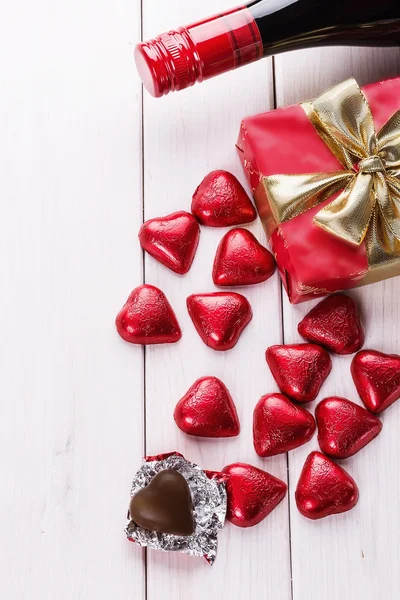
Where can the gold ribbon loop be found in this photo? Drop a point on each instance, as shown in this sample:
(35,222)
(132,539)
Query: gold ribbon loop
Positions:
(371,177)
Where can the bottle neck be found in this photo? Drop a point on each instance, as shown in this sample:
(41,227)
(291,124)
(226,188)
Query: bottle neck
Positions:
(179,58)
(225,42)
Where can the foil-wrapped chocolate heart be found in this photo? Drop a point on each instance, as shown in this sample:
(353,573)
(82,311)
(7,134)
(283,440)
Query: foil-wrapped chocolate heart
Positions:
(324,488)
(344,428)
(148,318)
(242,260)
(252,494)
(335,324)
(172,240)
(219,318)
(221,201)
(377,378)
(207,410)
(299,369)
(280,426)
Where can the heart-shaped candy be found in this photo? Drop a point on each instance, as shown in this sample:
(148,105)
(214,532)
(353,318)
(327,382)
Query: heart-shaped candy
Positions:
(335,324)
(165,505)
(221,201)
(324,488)
(377,378)
(172,240)
(147,318)
(344,428)
(241,260)
(280,426)
(252,494)
(219,318)
(207,410)
(299,369)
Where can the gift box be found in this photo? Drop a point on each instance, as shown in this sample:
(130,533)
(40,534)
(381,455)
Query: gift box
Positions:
(326,181)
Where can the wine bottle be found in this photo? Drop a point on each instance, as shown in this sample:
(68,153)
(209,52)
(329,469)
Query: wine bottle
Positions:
(179,58)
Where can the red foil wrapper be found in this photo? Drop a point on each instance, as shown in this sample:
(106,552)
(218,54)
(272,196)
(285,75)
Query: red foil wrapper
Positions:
(312,262)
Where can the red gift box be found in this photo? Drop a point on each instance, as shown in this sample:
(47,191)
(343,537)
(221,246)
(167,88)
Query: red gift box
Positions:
(312,262)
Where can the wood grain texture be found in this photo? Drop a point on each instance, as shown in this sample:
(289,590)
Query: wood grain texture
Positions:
(355,555)
(71,393)
(187,135)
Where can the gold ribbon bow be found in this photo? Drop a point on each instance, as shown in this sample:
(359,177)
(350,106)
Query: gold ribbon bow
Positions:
(368,208)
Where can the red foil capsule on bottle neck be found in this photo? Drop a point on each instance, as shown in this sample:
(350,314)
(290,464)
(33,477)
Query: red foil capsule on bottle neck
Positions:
(178,59)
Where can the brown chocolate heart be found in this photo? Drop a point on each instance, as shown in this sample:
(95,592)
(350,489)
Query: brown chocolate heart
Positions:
(165,505)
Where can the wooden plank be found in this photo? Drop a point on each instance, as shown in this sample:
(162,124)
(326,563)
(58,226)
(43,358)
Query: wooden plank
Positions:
(187,135)
(355,555)
(71,390)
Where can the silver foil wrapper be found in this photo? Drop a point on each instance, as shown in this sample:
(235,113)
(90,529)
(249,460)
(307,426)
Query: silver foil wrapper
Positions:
(209,508)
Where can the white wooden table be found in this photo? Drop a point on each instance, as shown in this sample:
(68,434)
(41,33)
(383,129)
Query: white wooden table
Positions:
(84,157)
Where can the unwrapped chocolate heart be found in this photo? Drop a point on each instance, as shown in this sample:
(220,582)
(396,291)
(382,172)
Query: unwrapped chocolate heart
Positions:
(324,488)
(147,318)
(172,240)
(280,426)
(377,379)
(165,505)
(335,324)
(344,428)
(207,410)
(299,369)
(221,201)
(219,318)
(168,499)
(252,494)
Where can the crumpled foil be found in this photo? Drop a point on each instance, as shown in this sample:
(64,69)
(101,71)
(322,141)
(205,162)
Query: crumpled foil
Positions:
(209,507)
